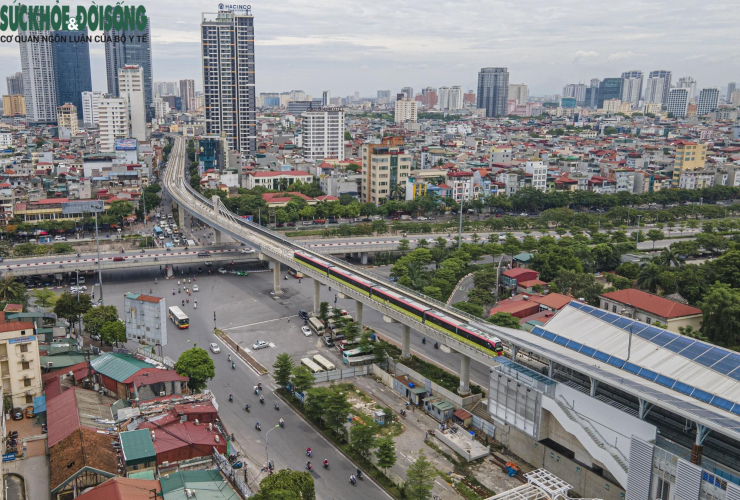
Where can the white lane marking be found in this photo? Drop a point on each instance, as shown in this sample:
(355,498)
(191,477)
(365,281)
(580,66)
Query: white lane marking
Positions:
(258,323)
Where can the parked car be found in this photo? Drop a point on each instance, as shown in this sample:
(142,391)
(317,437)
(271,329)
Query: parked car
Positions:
(421,217)
(328,341)
(303,315)
(306,331)
(222,270)
(29,412)
(215,348)
(208,263)
(118,259)
(17,414)
(204,254)
(260,344)
(60,238)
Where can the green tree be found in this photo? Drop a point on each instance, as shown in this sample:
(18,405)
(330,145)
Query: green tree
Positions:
(549,261)
(655,235)
(366,343)
(44,298)
(469,308)
(628,270)
(197,365)
(302,378)
(619,282)
(351,330)
(120,209)
(649,277)
(12,290)
(316,402)
(386,453)
(691,282)
(721,314)
(324,312)
(287,484)
(96,318)
(337,409)
(283,368)
(70,308)
(505,320)
(420,478)
(712,242)
(113,332)
(362,438)
(579,285)
(380,351)
(403,246)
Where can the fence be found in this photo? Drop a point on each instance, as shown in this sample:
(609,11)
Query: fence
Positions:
(356,371)
(229,472)
(458,401)
(166,361)
(484,426)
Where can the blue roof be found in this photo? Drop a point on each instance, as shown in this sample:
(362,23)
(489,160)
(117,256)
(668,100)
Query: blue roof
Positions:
(39,404)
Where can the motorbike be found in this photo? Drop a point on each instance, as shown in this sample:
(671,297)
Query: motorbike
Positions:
(233,365)
(262,400)
(237,465)
(359,474)
(257,426)
(403,413)
(424,340)
(247,408)
(309,467)
(353,481)
(256,391)
(231,398)
(276,407)
(436,345)
(309,453)
(326,465)
(282,424)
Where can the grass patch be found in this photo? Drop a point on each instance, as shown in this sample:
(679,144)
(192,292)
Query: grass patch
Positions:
(436,374)
(469,487)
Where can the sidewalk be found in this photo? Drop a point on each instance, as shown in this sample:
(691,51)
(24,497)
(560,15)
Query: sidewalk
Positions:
(35,471)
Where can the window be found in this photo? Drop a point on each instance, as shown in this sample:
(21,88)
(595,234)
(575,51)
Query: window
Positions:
(25,365)
(614,308)
(29,399)
(648,321)
(27,382)
(24,347)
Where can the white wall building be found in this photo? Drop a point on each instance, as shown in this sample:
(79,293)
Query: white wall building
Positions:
(577,90)
(6,140)
(406,111)
(456,98)
(161,108)
(687,82)
(654,90)
(443,98)
(323,134)
(538,170)
(708,101)
(519,92)
(678,102)
(113,122)
(632,88)
(131,88)
(90,105)
(145,318)
(38,79)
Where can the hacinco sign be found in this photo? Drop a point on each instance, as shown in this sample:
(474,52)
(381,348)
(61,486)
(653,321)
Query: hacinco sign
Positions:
(21,17)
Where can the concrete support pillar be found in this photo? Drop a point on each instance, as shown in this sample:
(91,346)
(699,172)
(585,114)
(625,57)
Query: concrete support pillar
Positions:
(363,258)
(358,311)
(217,236)
(550,368)
(645,408)
(276,277)
(698,448)
(406,341)
(514,351)
(594,385)
(464,388)
(316,297)
(181,217)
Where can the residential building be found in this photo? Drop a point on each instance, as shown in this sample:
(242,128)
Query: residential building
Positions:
(146,319)
(406,111)
(323,134)
(137,49)
(612,106)
(15,83)
(37,64)
(708,101)
(90,107)
(67,118)
(455,98)
(14,105)
(689,156)
(654,90)
(408,92)
(72,74)
(687,82)
(385,168)
(736,98)
(678,102)
(113,122)
(187,94)
(161,108)
(610,88)
(538,171)
(513,278)
(650,309)
(443,94)
(576,90)
(228,78)
(463,186)
(19,362)
(166,88)
(519,92)
(384,97)
(730,90)
(666,76)
(696,179)
(326,98)
(131,88)
(493,90)
(632,89)
(568,102)
(274,180)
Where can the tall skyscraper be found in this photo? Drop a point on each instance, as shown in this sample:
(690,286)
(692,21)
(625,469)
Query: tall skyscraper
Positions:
(406,110)
(595,82)
(90,105)
(187,94)
(113,115)
(678,102)
(408,92)
(730,89)
(325,98)
(519,92)
(131,88)
(15,84)
(666,76)
(688,82)
(493,90)
(384,96)
(654,90)
(456,97)
(71,68)
(137,51)
(14,105)
(323,134)
(632,89)
(166,88)
(228,78)
(609,88)
(443,94)
(708,100)
(37,63)
(577,90)
(592,94)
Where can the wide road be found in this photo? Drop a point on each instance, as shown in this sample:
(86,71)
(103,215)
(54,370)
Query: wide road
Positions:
(236,301)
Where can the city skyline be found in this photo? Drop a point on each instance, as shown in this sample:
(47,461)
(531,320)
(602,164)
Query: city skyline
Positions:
(301,47)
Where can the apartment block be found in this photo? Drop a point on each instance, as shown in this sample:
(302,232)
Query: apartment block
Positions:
(19,362)
(384,167)
(323,134)
(689,156)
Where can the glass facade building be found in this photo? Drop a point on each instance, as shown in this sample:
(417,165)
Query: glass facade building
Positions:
(139,52)
(71,68)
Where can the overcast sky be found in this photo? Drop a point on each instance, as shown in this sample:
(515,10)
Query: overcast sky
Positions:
(346,46)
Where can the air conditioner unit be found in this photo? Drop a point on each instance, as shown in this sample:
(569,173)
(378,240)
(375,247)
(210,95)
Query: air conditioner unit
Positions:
(23,357)
(49,364)
(26,377)
(162,393)
(165,464)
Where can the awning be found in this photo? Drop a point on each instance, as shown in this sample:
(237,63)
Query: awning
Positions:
(39,404)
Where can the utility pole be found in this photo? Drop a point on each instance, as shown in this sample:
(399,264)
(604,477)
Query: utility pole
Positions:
(638,230)
(100,273)
(459,229)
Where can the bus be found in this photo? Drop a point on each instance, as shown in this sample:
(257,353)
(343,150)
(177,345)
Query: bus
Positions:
(316,325)
(351,353)
(179,318)
(366,359)
(158,231)
(346,346)
(311,365)
(324,363)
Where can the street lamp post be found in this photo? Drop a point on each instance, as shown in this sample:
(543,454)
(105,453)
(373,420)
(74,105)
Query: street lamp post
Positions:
(267,455)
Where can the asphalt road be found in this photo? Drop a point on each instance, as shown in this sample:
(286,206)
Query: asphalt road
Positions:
(238,301)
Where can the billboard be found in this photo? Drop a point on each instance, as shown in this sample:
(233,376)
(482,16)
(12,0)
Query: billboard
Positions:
(82,206)
(125,144)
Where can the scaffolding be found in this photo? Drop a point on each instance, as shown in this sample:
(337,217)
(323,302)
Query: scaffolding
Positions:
(541,485)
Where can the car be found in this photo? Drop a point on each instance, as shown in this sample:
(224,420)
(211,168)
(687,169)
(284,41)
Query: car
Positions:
(303,315)
(260,344)
(242,273)
(199,269)
(247,250)
(377,217)
(208,263)
(94,336)
(222,270)
(75,289)
(215,349)
(195,288)
(328,341)
(394,279)
(29,412)
(60,238)
(81,280)
(17,414)
(118,259)
(332,221)
(290,224)
(204,254)
(306,331)
(421,217)
(366,219)
(523,214)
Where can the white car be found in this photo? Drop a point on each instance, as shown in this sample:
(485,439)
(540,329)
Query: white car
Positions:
(222,270)
(421,217)
(306,331)
(60,238)
(260,344)
(195,288)
(75,289)
(247,250)
(377,217)
(215,348)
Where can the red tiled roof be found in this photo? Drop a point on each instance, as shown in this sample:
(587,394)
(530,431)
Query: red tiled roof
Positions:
(553,300)
(652,303)
(529,283)
(123,488)
(519,271)
(291,173)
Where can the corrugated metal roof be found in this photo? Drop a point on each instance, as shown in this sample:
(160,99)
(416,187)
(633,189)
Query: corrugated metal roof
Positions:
(62,416)
(137,446)
(118,366)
